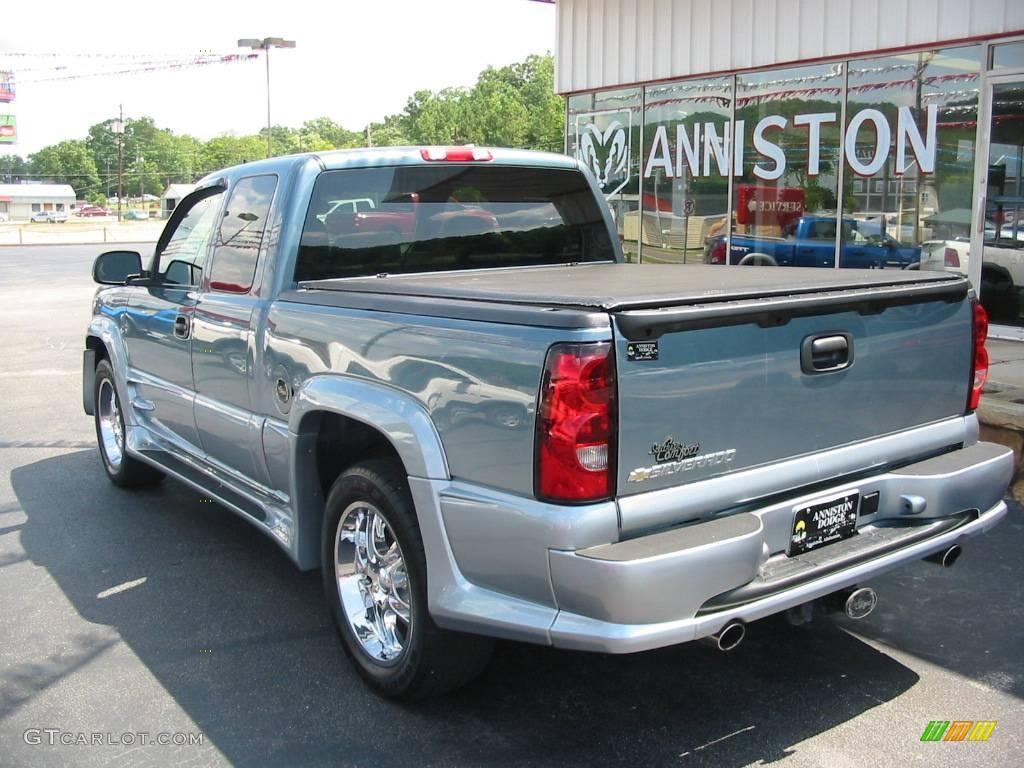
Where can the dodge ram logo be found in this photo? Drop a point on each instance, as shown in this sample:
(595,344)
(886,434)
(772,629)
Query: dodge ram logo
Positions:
(603,144)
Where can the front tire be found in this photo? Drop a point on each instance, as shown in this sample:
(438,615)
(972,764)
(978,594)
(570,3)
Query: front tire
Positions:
(122,469)
(375,580)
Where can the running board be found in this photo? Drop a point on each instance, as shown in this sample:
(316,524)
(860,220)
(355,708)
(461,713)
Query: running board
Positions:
(267,514)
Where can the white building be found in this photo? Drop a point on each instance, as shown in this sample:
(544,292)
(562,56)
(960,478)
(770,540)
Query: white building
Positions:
(742,116)
(172,196)
(19,201)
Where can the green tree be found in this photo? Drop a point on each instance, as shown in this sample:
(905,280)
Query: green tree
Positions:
(13,168)
(68,162)
(328,131)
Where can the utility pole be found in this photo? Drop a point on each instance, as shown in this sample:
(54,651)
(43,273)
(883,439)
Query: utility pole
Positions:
(369,134)
(119,130)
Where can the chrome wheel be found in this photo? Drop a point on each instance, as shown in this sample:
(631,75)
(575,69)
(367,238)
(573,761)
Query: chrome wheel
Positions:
(111,425)
(373,583)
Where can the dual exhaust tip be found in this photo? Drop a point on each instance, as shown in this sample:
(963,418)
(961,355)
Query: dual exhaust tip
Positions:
(947,557)
(855,602)
(729,637)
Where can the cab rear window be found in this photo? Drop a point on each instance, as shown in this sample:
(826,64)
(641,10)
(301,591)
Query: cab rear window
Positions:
(396,220)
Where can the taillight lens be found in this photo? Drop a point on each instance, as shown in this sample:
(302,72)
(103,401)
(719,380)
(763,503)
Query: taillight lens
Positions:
(980,363)
(575,450)
(717,253)
(951,258)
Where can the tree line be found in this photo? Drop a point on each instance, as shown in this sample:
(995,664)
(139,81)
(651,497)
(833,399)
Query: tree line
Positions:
(511,106)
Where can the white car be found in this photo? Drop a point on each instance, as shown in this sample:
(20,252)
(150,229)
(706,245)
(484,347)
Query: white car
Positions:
(1002,273)
(49,217)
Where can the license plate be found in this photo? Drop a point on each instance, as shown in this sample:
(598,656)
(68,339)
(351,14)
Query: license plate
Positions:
(824,522)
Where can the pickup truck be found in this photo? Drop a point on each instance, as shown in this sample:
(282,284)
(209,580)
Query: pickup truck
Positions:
(505,431)
(810,241)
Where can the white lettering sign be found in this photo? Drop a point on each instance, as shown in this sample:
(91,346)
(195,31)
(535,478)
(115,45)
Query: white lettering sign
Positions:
(704,149)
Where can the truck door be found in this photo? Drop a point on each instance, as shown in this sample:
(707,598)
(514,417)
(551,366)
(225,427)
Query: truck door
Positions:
(157,328)
(222,334)
(817,248)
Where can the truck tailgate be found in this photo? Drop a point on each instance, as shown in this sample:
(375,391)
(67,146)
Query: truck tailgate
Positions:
(707,390)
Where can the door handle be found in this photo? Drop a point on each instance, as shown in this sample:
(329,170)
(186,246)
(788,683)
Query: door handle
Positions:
(182,326)
(982,202)
(823,354)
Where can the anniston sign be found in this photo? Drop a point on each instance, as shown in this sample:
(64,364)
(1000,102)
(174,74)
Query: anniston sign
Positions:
(702,149)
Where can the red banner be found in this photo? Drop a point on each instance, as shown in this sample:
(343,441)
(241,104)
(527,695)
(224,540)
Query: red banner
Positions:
(768,205)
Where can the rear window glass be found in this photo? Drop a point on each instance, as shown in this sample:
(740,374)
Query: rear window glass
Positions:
(430,218)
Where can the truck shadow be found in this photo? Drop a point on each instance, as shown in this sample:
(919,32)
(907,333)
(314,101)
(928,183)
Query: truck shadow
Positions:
(242,642)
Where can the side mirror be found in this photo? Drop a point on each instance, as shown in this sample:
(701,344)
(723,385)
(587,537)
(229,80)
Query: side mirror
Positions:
(182,273)
(115,267)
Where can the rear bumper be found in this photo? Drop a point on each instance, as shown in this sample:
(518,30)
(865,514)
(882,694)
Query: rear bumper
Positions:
(585,633)
(688,583)
(509,567)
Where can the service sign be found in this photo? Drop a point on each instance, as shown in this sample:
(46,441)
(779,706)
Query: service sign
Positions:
(769,205)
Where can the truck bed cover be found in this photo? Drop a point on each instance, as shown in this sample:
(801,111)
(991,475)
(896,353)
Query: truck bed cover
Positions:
(618,287)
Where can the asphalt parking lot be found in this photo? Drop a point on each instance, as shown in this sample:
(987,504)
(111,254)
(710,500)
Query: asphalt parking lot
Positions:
(157,612)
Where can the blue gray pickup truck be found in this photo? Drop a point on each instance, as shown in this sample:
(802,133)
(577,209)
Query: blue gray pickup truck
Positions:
(810,241)
(463,407)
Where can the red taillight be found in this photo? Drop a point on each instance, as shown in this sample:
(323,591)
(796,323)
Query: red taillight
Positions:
(717,253)
(951,258)
(980,362)
(456,154)
(576,424)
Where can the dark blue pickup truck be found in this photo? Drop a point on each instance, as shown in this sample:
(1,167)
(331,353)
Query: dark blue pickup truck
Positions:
(810,241)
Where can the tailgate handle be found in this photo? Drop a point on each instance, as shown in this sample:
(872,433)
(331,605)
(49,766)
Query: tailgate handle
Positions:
(824,354)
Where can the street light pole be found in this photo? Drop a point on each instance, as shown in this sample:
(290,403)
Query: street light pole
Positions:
(265,45)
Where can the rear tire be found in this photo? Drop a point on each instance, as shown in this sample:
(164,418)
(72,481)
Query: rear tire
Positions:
(758,260)
(375,581)
(123,470)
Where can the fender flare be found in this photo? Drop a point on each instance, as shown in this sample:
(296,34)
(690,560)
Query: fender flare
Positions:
(109,334)
(403,420)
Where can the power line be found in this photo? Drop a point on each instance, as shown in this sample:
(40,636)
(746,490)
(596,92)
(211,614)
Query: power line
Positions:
(152,66)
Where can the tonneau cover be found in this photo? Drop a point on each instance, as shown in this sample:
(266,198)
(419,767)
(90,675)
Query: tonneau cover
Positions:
(615,287)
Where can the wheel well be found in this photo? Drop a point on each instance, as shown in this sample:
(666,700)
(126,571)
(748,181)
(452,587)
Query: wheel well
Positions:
(97,346)
(341,442)
(336,442)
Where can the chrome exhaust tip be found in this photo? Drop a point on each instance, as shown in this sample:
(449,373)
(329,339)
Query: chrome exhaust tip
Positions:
(729,637)
(860,603)
(947,557)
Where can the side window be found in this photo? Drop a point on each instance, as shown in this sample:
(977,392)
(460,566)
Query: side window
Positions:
(241,233)
(182,259)
(823,230)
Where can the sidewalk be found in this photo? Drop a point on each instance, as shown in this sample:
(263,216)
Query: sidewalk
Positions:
(75,232)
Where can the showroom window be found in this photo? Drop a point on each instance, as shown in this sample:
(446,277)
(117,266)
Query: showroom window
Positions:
(911,123)
(603,132)
(786,172)
(686,160)
(744,168)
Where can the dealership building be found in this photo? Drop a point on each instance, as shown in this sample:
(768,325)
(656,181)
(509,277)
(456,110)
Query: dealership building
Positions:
(828,133)
(19,202)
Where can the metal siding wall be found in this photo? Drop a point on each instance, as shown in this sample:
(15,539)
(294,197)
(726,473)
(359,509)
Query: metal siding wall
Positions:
(605,43)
